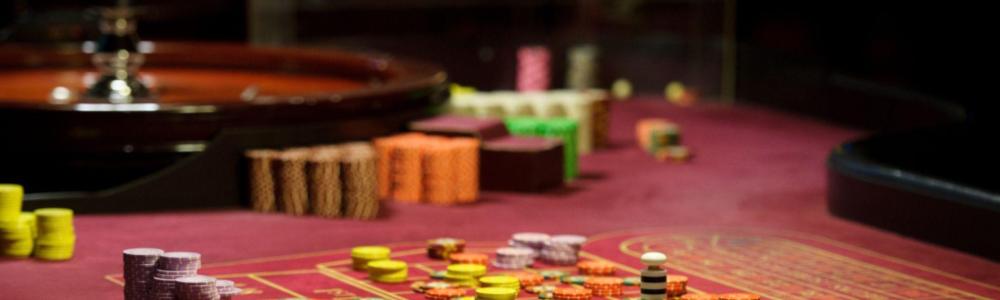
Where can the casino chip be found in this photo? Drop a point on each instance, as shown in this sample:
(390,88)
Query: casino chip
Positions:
(598,268)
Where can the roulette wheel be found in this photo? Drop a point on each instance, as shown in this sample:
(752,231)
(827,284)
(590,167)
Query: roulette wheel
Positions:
(128,125)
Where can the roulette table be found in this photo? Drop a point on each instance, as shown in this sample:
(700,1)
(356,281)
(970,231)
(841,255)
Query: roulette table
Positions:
(746,214)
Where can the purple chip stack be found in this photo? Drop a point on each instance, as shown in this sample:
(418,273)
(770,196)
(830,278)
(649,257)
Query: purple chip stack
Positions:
(514,258)
(562,249)
(139,267)
(197,287)
(170,267)
(531,240)
(227,289)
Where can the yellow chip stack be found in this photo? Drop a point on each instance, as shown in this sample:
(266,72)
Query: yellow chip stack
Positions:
(464,274)
(56,237)
(501,281)
(362,255)
(387,271)
(15,234)
(496,293)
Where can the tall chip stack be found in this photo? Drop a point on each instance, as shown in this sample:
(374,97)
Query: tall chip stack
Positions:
(563,129)
(332,181)
(581,71)
(533,66)
(139,266)
(358,167)
(15,228)
(420,168)
(56,236)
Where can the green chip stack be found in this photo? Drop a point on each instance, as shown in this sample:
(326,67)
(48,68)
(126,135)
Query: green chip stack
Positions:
(563,129)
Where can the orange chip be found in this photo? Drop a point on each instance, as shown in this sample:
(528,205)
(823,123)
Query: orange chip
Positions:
(700,297)
(469,258)
(444,294)
(592,267)
(738,296)
(570,293)
(528,279)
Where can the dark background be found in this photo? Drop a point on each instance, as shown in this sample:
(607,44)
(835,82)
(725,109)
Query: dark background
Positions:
(879,66)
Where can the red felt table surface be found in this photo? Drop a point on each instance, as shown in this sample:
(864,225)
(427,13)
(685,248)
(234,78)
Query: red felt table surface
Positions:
(746,214)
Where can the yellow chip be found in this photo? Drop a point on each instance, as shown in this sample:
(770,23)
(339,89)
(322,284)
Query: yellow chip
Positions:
(386,266)
(496,293)
(499,280)
(467,269)
(370,252)
(11,197)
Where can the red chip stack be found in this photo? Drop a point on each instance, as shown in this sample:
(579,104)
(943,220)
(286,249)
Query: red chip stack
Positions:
(533,64)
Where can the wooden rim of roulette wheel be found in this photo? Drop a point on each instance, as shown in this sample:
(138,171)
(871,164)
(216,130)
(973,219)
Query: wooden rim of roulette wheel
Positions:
(180,145)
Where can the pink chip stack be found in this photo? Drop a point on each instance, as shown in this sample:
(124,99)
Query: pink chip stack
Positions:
(533,64)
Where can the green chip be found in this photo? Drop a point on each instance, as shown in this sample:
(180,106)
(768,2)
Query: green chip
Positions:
(439,274)
(551,274)
(575,279)
(632,281)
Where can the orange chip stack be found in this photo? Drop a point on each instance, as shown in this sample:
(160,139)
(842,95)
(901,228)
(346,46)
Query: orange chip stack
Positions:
(528,279)
(466,169)
(676,285)
(469,258)
(439,172)
(605,286)
(414,168)
(571,293)
(407,170)
(598,268)
(643,127)
(700,297)
(444,294)
(738,296)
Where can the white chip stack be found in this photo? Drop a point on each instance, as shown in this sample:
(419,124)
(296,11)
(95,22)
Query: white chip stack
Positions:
(562,249)
(530,240)
(139,267)
(513,258)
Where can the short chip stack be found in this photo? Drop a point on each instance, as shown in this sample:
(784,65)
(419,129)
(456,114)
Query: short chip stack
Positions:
(172,266)
(571,293)
(676,286)
(363,255)
(464,274)
(387,271)
(531,240)
(330,181)
(496,293)
(604,286)
(528,279)
(596,268)
(514,258)
(444,294)
(56,236)
(197,287)
(662,139)
(504,281)
(469,258)
(562,249)
(419,168)
(442,248)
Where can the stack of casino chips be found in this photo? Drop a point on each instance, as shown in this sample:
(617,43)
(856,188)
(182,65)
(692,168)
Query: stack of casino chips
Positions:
(531,240)
(418,168)
(662,139)
(514,258)
(562,128)
(139,268)
(469,258)
(528,279)
(533,67)
(172,266)
(605,286)
(496,293)
(442,248)
(595,268)
(444,294)
(581,71)
(197,287)
(227,289)
(464,274)
(562,249)
(361,256)
(16,237)
(571,293)
(56,236)
(387,271)
(331,181)
(505,281)
(676,286)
